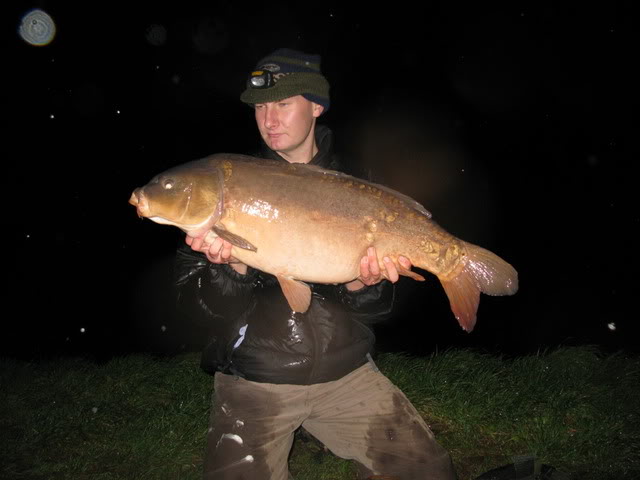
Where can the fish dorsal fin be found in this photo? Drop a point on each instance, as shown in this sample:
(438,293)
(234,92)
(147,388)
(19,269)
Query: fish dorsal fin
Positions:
(410,202)
(232,238)
(297,293)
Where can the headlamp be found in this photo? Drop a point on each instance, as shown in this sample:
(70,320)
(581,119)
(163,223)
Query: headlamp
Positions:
(261,79)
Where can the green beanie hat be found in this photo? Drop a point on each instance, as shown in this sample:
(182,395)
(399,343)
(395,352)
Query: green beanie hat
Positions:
(286,73)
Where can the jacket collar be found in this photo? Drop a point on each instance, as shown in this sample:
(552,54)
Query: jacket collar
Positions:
(324,142)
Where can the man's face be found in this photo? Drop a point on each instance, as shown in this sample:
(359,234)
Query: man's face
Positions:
(287,124)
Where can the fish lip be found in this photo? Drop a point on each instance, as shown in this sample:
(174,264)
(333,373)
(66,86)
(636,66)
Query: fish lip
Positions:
(139,201)
(133,200)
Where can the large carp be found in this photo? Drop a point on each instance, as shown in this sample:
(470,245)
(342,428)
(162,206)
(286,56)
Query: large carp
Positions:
(303,223)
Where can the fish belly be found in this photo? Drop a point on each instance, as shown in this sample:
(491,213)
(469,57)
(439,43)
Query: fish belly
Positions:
(301,250)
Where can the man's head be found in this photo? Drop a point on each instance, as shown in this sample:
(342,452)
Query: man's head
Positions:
(288,93)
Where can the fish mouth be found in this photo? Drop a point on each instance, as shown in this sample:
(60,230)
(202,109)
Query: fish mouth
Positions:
(139,201)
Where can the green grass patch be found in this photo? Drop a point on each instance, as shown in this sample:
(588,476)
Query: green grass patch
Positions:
(140,417)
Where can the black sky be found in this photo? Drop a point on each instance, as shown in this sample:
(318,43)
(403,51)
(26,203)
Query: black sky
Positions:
(514,126)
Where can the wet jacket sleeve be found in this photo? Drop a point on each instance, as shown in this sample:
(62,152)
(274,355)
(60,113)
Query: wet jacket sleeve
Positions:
(370,304)
(207,292)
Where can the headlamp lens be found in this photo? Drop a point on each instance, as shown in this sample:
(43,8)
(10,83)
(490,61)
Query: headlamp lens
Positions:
(261,79)
(257,82)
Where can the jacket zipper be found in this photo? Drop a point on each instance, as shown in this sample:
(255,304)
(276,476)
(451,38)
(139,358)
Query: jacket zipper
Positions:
(312,330)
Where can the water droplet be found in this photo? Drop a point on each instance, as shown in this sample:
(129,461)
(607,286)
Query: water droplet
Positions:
(156,35)
(37,28)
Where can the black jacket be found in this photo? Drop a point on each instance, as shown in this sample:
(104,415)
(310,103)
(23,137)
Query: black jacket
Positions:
(253,332)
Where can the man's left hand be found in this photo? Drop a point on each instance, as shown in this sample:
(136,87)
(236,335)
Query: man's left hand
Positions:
(370,272)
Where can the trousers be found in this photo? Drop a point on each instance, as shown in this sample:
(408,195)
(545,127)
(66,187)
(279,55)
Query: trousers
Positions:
(362,417)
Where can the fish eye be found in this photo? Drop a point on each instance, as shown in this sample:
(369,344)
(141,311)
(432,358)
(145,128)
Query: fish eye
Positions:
(167,184)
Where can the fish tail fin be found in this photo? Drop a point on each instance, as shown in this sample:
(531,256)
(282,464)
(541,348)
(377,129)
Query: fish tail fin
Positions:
(482,271)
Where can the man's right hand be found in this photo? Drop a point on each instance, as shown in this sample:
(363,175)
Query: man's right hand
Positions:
(218,252)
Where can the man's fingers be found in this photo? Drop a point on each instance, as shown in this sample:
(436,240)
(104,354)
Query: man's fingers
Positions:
(392,271)
(405,262)
(371,272)
(374,268)
(196,244)
(364,268)
(369,268)
(215,249)
(225,251)
(219,251)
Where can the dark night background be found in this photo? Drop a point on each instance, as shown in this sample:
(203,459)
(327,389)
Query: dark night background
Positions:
(512,125)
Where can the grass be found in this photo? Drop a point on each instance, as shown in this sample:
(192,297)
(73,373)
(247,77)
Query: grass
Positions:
(141,417)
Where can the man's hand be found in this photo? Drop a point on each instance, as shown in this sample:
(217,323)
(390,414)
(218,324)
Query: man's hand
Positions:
(370,273)
(218,252)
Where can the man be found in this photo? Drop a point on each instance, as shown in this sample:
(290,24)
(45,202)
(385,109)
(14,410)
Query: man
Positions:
(276,370)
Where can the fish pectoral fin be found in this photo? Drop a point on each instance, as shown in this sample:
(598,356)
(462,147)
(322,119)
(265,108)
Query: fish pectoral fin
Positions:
(405,272)
(232,238)
(297,293)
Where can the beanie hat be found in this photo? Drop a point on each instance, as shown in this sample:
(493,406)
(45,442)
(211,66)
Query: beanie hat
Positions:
(286,73)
